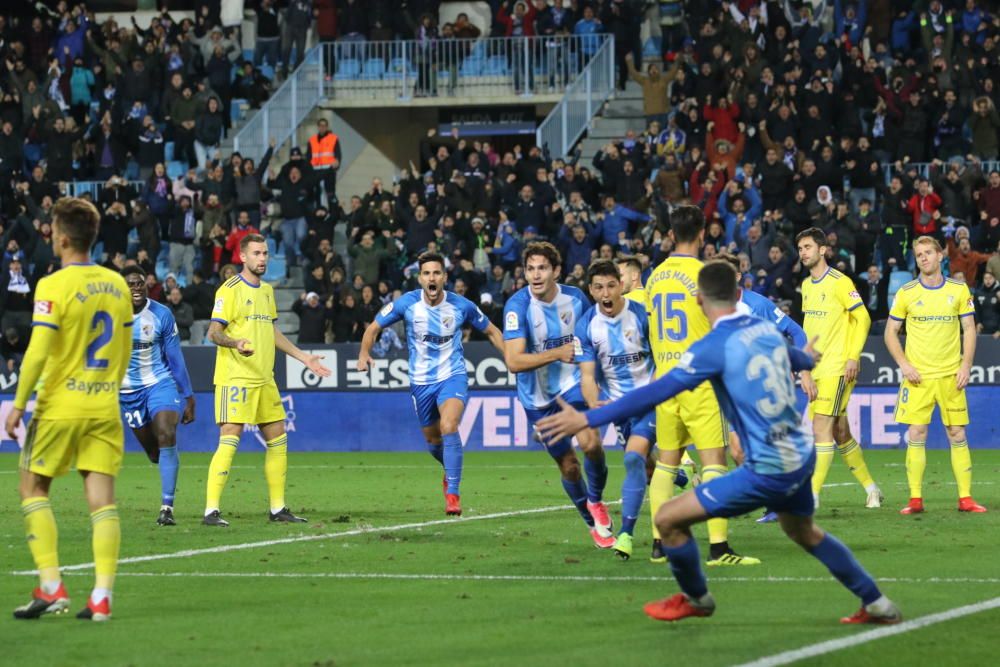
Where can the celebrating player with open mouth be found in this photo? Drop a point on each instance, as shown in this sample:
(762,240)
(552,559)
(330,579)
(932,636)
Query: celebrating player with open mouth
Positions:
(150,403)
(749,365)
(539,321)
(439,383)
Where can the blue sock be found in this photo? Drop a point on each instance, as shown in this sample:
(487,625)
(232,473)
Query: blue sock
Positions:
(577,492)
(633,490)
(437,451)
(452,460)
(597,477)
(169,463)
(685,563)
(848,571)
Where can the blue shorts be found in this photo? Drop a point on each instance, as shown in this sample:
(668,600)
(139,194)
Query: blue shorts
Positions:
(558,449)
(643,426)
(427,397)
(742,491)
(139,407)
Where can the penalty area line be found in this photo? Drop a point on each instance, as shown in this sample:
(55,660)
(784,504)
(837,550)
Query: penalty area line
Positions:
(833,645)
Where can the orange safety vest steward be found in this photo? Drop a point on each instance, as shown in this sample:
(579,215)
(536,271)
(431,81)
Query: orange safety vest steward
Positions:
(322,151)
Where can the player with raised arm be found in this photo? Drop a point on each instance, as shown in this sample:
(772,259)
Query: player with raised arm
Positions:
(675,322)
(749,365)
(835,315)
(935,366)
(615,358)
(439,383)
(244,327)
(79,349)
(150,402)
(539,321)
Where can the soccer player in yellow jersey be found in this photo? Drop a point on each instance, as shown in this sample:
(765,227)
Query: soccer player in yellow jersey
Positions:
(935,368)
(631,270)
(80,347)
(837,318)
(245,330)
(676,321)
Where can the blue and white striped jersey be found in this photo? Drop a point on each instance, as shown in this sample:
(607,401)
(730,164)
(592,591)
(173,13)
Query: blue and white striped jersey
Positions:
(544,326)
(619,345)
(156,351)
(762,307)
(433,333)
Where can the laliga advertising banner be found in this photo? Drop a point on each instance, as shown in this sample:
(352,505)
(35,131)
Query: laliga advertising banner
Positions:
(373,411)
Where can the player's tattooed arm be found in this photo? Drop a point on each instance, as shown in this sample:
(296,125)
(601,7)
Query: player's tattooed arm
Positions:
(217,334)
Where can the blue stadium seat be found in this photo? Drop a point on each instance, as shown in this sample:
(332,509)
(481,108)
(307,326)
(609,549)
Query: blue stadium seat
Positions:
(267,71)
(896,280)
(478,50)
(399,65)
(236,109)
(347,70)
(248,55)
(373,69)
(272,247)
(495,66)
(275,269)
(168,151)
(175,169)
(472,66)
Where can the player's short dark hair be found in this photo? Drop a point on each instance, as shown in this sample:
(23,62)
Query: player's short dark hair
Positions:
(541,249)
(603,267)
(428,257)
(630,261)
(687,222)
(133,270)
(79,220)
(251,238)
(717,282)
(815,233)
(729,258)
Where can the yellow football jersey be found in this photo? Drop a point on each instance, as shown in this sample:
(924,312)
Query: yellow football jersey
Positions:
(676,320)
(933,329)
(246,311)
(638,295)
(91,308)
(825,304)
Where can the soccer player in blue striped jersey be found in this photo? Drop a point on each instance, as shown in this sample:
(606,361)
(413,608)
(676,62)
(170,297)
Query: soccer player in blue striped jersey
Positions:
(154,384)
(614,356)
(749,364)
(439,383)
(539,324)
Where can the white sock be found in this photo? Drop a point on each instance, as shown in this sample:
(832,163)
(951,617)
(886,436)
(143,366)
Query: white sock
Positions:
(50,587)
(99,594)
(871,488)
(880,607)
(167,507)
(209,510)
(276,510)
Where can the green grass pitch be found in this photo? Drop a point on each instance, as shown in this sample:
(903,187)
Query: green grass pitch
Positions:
(523,589)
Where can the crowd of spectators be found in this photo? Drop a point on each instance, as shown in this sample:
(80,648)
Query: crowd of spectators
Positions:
(875,120)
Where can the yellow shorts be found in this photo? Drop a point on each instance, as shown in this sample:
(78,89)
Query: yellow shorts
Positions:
(915,403)
(691,417)
(832,395)
(53,446)
(248,405)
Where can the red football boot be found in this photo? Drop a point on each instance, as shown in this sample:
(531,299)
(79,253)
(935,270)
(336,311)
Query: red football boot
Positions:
(915,506)
(452,504)
(967,504)
(676,607)
(863,616)
(99,612)
(43,603)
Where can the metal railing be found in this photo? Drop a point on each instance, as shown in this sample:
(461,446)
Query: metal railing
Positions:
(279,117)
(96,188)
(569,119)
(923,169)
(492,68)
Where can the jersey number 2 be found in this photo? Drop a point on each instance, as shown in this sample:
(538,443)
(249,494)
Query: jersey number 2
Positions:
(102,319)
(666,311)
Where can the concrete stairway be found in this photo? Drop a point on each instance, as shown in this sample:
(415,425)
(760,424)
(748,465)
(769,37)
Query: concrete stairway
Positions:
(621,113)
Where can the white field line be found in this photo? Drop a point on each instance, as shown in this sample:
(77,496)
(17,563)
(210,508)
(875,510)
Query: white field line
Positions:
(526,577)
(188,553)
(833,645)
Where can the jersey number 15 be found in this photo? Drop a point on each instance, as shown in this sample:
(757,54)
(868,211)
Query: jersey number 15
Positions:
(672,321)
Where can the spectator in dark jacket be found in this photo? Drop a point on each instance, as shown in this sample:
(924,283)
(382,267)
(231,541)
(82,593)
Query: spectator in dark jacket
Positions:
(313,317)
(183,314)
(208,131)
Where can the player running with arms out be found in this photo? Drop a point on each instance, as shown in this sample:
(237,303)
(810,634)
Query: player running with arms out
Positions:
(935,367)
(150,402)
(80,344)
(539,321)
(244,327)
(749,365)
(615,358)
(439,383)
(837,318)
(675,323)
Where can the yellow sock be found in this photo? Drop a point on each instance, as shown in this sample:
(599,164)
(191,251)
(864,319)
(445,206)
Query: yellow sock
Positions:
(718,529)
(43,539)
(218,470)
(916,463)
(275,470)
(661,489)
(855,460)
(961,465)
(824,459)
(107,540)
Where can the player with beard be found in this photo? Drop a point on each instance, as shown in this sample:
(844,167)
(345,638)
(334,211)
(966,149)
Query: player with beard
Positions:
(439,383)
(244,327)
